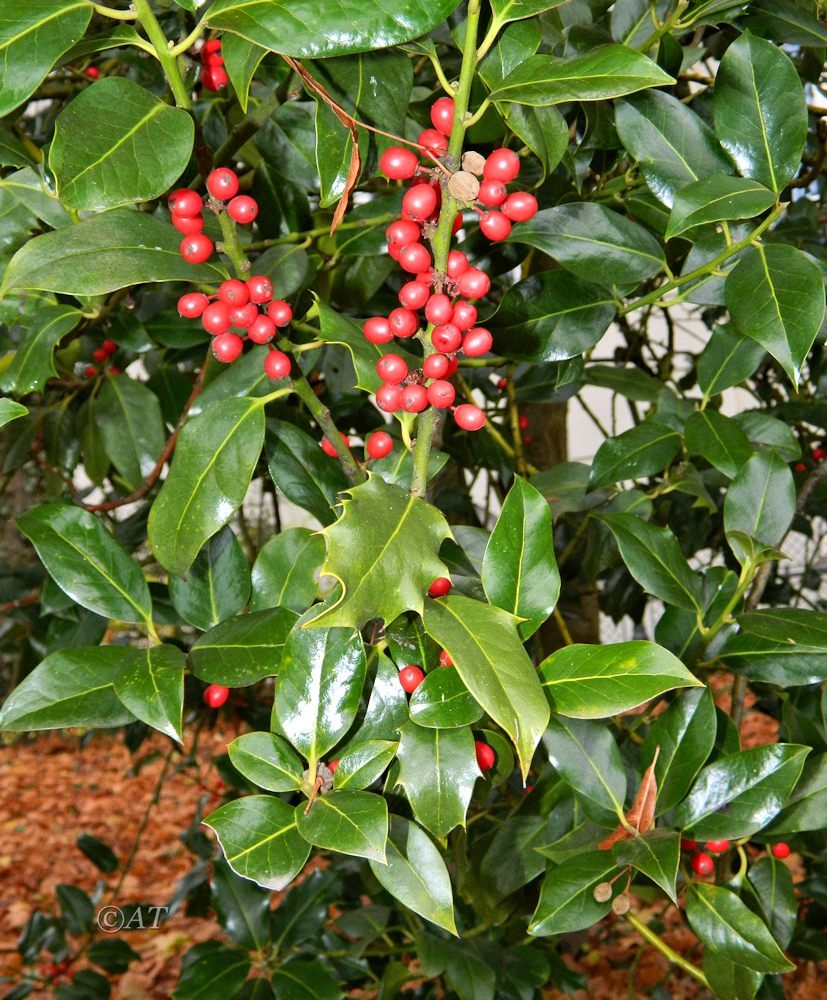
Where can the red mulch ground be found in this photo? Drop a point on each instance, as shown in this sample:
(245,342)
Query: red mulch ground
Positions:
(50,791)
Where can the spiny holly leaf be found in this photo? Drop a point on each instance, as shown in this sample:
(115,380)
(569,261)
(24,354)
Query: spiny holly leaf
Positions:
(384,551)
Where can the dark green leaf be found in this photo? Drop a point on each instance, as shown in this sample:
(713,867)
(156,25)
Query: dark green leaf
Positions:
(32,364)
(641,451)
(719,440)
(76,908)
(387,706)
(101,855)
(241,60)
(773,886)
(567,900)
(730,979)
(511,860)
(586,756)
(760,503)
(301,471)
(242,908)
(113,956)
(268,761)
(656,854)
(544,130)
(727,360)
(244,650)
(362,763)
(151,686)
(807,804)
(715,199)
(131,426)
(286,570)
(299,979)
(217,584)
(788,21)
(213,967)
(354,823)
(514,10)
(442,701)
(784,646)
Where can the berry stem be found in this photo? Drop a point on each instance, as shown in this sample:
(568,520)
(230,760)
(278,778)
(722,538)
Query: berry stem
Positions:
(117,15)
(186,43)
(232,245)
(148,21)
(668,953)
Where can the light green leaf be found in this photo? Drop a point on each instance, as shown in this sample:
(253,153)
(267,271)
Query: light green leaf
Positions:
(567,900)
(656,854)
(10,410)
(641,451)
(760,503)
(151,686)
(727,359)
(241,60)
(442,701)
(515,10)
(267,761)
(362,763)
(354,823)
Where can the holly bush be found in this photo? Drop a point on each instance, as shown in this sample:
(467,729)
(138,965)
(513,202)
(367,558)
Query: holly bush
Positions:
(295,300)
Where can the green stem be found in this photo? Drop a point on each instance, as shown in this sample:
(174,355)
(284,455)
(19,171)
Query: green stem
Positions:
(185,43)
(148,21)
(117,15)
(231,245)
(668,953)
(309,234)
(245,129)
(427,423)
(667,26)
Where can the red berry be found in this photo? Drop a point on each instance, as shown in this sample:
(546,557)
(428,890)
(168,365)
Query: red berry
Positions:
(214,78)
(330,449)
(242,209)
(391,368)
(234,292)
(454,364)
(99,355)
(242,316)
(216,694)
(394,250)
(495,226)
(414,258)
(410,678)
(332,765)
(216,318)
(702,864)
(477,341)
(210,46)
(419,201)
(223,184)
(717,846)
(445,659)
(501,165)
(439,309)
(227,346)
(446,338)
(427,278)
(527,439)
(114,370)
(485,756)
(280,312)
(520,206)
(473,283)
(414,294)
(185,202)
(435,141)
(464,315)
(441,394)
(402,232)
(110,346)
(800,467)
(90,371)
(457,264)
(689,845)
(469,417)
(414,398)
(277,365)
(261,330)
(261,288)
(379,444)
(440,587)
(492,192)
(435,366)
(819,454)
(528,790)
(781,850)
(502,384)
(92,72)
(196,248)
(188,224)
(442,115)
(389,398)
(523,422)
(456,225)
(403,322)
(398,163)
(377,330)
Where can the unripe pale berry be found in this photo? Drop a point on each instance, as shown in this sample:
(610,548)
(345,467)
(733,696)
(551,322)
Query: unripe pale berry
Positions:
(242,316)
(477,341)
(717,846)
(280,312)
(261,288)
(702,864)
(485,756)
(781,850)
(234,292)
(216,695)
(414,258)
(186,224)
(261,330)
(402,232)
(227,346)
(414,294)
(440,587)
(377,330)
(492,192)
(389,398)
(196,248)
(403,322)
(442,115)
(446,338)
(439,309)
(419,201)
(330,449)
(457,264)
(192,304)
(216,317)
(277,365)
(520,206)
(222,183)
(435,141)
(391,368)
(242,209)
(435,366)
(464,315)
(441,394)
(379,445)
(410,678)
(398,163)
(469,417)
(414,398)
(495,226)
(185,202)
(501,165)
(474,283)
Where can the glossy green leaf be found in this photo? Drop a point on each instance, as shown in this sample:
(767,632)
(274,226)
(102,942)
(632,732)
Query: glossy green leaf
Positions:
(361,764)
(305,29)
(32,363)
(301,471)
(717,198)
(519,571)
(730,979)
(103,253)
(131,426)
(594,242)
(349,822)
(243,909)
(244,650)
(485,646)
(442,701)
(727,360)
(567,900)
(299,979)
(214,462)
(368,551)
(319,687)
(286,571)
(268,761)
(760,503)
(117,144)
(673,145)
(511,860)
(544,130)
(260,839)
(416,875)
(775,295)
(34,34)
(784,646)
(211,966)
(773,887)
(607,71)
(656,854)
(760,111)
(86,562)
(684,736)
(739,794)
(10,410)
(12,151)
(654,558)
(807,805)
(387,706)
(514,45)
(217,584)
(729,929)
(641,451)
(241,60)
(438,770)
(586,757)
(597,681)
(764,430)
(719,440)
(788,21)
(514,10)
(629,382)
(71,687)
(151,686)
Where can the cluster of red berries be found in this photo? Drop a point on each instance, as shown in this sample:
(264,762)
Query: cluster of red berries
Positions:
(378,445)
(54,971)
(186,207)
(213,75)
(817,456)
(100,357)
(702,862)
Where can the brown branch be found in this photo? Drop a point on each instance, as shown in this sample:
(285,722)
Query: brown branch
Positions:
(21,602)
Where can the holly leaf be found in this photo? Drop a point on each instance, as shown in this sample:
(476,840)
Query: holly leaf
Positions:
(354,823)
(151,686)
(656,855)
(567,900)
(243,650)
(33,361)
(641,816)
(267,761)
